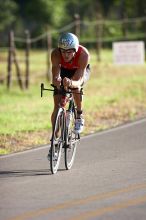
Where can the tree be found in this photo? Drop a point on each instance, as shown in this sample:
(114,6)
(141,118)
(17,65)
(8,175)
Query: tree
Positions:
(36,15)
(8,9)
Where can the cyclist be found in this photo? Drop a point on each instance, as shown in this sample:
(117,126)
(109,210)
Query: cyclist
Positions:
(70,66)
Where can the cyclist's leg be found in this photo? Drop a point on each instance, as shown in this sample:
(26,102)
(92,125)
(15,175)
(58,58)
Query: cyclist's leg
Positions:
(53,115)
(78,102)
(86,77)
(79,123)
(77,97)
(56,98)
(56,102)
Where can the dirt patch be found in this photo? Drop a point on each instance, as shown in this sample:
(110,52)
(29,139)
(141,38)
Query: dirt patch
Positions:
(23,141)
(107,118)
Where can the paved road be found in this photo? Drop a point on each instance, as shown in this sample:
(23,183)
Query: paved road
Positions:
(107,181)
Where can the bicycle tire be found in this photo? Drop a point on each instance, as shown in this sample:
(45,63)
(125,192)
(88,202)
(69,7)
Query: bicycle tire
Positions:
(72,140)
(57,141)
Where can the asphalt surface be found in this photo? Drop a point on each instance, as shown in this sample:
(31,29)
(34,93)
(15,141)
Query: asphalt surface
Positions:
(106,182)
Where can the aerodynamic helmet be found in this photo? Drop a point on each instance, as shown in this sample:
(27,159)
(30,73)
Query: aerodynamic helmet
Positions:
(68,41)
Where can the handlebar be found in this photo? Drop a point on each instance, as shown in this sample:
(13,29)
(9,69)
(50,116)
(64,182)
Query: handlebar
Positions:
(61,90)
(43,88)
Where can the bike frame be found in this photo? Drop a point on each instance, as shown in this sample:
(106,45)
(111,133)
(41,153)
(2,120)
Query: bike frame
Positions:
(64,98)
(67,139)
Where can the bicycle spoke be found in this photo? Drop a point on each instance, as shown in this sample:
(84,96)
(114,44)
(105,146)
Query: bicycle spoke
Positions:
(72,140)
(56,142)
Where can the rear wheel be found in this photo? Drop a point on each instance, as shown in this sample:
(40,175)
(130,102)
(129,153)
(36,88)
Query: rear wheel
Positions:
(56,141)
(71,143)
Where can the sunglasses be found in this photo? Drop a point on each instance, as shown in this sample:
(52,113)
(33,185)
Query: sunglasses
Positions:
(67,51)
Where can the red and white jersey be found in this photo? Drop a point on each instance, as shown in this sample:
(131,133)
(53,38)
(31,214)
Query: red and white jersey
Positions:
(74,63)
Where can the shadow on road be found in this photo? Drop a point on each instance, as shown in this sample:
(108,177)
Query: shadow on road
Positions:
(21,173)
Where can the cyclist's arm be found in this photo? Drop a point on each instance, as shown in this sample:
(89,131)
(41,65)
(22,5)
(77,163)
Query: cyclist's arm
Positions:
(55,67)
(77,79)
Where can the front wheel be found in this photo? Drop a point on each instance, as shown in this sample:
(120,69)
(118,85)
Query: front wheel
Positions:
(71,143)
(56,141)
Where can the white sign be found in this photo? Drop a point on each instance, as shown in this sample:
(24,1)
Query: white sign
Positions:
(131,52)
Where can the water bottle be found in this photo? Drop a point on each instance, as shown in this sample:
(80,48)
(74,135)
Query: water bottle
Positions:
(68,118)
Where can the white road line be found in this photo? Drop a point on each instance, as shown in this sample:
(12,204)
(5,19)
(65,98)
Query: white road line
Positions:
(118,127)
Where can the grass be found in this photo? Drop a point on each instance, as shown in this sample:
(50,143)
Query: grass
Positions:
(113,95)
(22,111)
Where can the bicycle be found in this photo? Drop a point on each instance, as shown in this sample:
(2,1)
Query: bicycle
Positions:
(63,136)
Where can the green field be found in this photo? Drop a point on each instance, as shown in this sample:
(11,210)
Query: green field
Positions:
(113,95)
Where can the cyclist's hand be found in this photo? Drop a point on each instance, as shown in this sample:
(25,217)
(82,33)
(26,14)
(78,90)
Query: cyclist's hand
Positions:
(66,83)
(57,82)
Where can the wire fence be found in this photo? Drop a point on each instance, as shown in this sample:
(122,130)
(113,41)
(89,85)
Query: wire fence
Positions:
(83,25)
(93,34)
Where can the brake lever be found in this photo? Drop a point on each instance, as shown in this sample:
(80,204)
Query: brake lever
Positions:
(42,88)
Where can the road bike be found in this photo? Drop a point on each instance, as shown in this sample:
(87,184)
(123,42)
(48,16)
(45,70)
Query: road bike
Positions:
(63,135)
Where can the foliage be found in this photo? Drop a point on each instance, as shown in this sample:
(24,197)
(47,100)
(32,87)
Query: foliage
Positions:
(38,15)
(7,13)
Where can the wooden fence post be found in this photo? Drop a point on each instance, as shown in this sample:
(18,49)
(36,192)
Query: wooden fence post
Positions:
(16,62)
(9,67)
(27,59)
(99,37)
(49,44)
(123,17)
(77,24)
